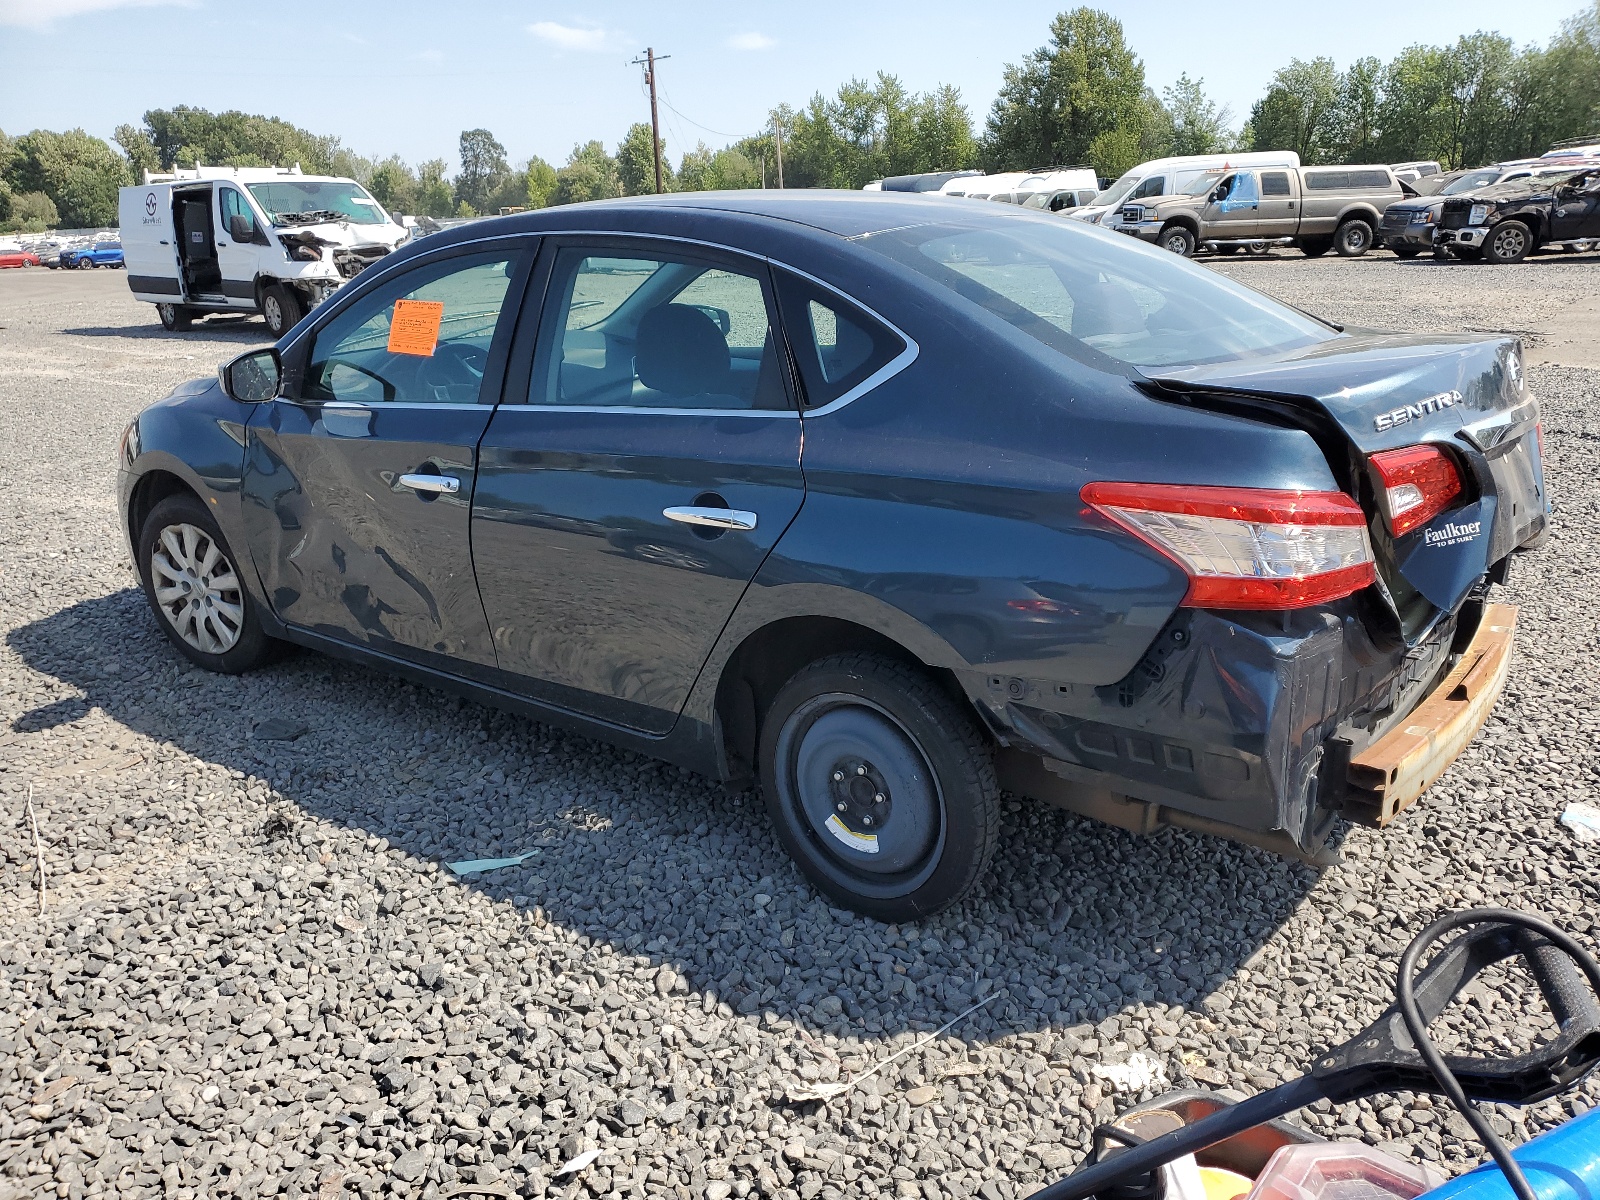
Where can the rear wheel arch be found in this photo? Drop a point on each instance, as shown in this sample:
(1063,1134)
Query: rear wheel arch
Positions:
(772,655)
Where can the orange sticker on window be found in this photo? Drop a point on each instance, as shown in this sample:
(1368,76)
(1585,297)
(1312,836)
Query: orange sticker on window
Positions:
(414,328)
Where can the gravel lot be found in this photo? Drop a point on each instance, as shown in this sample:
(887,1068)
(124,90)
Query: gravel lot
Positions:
(254,975)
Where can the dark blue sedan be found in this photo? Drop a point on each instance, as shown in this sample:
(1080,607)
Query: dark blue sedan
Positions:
(100,254)
(885,503)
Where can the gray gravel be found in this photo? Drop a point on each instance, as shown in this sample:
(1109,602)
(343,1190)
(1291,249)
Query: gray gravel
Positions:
(254,977)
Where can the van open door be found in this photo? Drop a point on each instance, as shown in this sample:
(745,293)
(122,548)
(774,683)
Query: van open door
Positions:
(149,244)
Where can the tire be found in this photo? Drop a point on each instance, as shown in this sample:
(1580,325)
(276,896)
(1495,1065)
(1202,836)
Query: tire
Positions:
(176,317)
(281,308)
(1510,242)
(1315,247)
(1406,252)
(1177,239)
(86,264)
(850,729)
(1227,250)
(1353,238)
(180,549)
(1469,254)
(26,264)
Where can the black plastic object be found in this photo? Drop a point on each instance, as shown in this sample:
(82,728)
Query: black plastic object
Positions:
(1383,1057)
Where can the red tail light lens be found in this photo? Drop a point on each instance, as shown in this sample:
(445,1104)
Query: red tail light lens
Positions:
(1419,483)
(1247,547)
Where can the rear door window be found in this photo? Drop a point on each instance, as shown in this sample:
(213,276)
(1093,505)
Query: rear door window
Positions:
(838,347)
(1275,183)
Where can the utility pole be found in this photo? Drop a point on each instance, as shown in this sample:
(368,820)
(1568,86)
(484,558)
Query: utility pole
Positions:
(777,137)
(649,63)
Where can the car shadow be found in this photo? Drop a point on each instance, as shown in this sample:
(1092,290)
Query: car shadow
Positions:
(1077,923)
(240,329)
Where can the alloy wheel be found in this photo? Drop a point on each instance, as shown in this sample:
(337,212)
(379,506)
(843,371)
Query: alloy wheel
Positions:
(197,589)
(1509,242)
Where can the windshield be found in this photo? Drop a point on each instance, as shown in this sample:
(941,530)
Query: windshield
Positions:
(1119,189)
(1204,184)
(290,202)
(1466,183)
(1072,286)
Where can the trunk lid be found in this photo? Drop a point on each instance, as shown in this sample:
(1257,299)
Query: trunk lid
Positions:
(1464,393)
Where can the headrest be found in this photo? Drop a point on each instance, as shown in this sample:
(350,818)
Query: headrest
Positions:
(681,351)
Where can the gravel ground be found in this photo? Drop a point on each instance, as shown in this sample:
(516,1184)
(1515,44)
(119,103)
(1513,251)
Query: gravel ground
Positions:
(254,976)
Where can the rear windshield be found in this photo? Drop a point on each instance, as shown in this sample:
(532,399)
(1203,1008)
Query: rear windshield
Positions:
(1074,287)
(290,203)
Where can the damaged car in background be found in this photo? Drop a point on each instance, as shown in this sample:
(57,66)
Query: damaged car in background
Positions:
(725,479)
(1508,221)
(248,239)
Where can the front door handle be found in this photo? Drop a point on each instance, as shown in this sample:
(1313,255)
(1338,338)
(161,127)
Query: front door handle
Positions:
(712,518)
(432,485)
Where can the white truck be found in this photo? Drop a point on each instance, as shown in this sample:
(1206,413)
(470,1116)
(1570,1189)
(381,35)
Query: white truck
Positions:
(271,240)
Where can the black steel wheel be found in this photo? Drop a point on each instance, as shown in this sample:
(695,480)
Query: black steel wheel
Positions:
(880,786)
(1353,238)
(191,580)
(1179,240)
(1508,242)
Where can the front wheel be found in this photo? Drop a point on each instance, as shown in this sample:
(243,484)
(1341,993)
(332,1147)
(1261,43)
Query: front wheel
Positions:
(192,583)
(1178,240)
(880,786)
(1509,243)
(1353,239)
(281,308)
(176,317)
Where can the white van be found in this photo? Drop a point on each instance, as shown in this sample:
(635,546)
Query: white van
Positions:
(984,187)
(271,240)
(1169,176)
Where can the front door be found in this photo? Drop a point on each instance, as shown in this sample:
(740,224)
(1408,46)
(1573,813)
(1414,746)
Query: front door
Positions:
(1236,214)
(359,479)
(626,502)
(1577,209)
(235,257)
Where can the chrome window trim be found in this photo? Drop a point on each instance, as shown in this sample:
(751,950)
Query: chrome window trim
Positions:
(882,375)
(786,414)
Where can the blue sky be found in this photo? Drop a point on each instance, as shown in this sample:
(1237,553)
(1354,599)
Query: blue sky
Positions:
(392,76)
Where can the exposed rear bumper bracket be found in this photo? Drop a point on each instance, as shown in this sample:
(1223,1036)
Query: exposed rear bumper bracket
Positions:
(1390,774)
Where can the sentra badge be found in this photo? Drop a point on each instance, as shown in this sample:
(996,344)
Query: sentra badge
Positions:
(1452,534)
(1415,412)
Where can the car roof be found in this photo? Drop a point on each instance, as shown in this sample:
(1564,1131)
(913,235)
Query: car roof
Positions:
(840,213)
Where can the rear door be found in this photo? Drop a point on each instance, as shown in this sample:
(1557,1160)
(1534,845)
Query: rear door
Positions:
(644,462)
(359,479)
(1279,214)
(145,215)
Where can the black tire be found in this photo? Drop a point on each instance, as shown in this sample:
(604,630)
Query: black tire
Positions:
(1353,238)
(86,264)
(176,317)
(1508,242)
(1469,254)
(185,521)
(281,308)
(1407,252)
(1315,247)
(1227,249)
(877,745)
(1178,239)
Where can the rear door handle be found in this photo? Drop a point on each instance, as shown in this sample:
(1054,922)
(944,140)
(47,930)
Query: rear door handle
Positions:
(433,485)
(712,518)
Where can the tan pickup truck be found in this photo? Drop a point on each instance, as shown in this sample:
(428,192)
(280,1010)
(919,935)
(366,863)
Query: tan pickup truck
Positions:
(1316,208)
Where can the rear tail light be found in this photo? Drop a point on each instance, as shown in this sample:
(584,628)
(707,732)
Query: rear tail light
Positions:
(1419,483)
(1247,547)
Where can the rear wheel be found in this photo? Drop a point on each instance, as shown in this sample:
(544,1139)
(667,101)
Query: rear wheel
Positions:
(1406,251)
(1509,243)
(192,583)
(176,317)
(1315,247)
(281,308)
(880,786)
(1227,249)
(1353,238)
(1178,240)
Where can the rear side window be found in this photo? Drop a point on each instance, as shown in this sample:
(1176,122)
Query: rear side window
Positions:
(1156,185)
(1275,183)
(836,345)
(1332,181)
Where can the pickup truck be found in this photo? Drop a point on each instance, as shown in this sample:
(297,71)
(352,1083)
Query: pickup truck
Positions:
(1316,208)
(1507,222)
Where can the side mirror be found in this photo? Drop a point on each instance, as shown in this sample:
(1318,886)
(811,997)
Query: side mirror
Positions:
(719,315)
(242,228)
(253,377)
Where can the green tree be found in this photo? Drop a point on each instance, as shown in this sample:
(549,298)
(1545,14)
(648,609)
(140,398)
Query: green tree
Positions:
(483,168)
(1300,111)
(589,174)
(141,152)
(1081,98)
(34,212)
(1356,128)
(1198,125)
(6,199)
(865,131)
(540,182)
(395,186)
(79,173)
(434,197)
(184,136)
(636,164)
(1410,114)
(1478,90)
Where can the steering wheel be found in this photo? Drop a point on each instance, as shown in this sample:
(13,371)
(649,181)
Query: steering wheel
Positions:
(454,365)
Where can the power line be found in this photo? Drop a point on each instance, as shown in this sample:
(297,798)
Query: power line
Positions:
(667,100)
